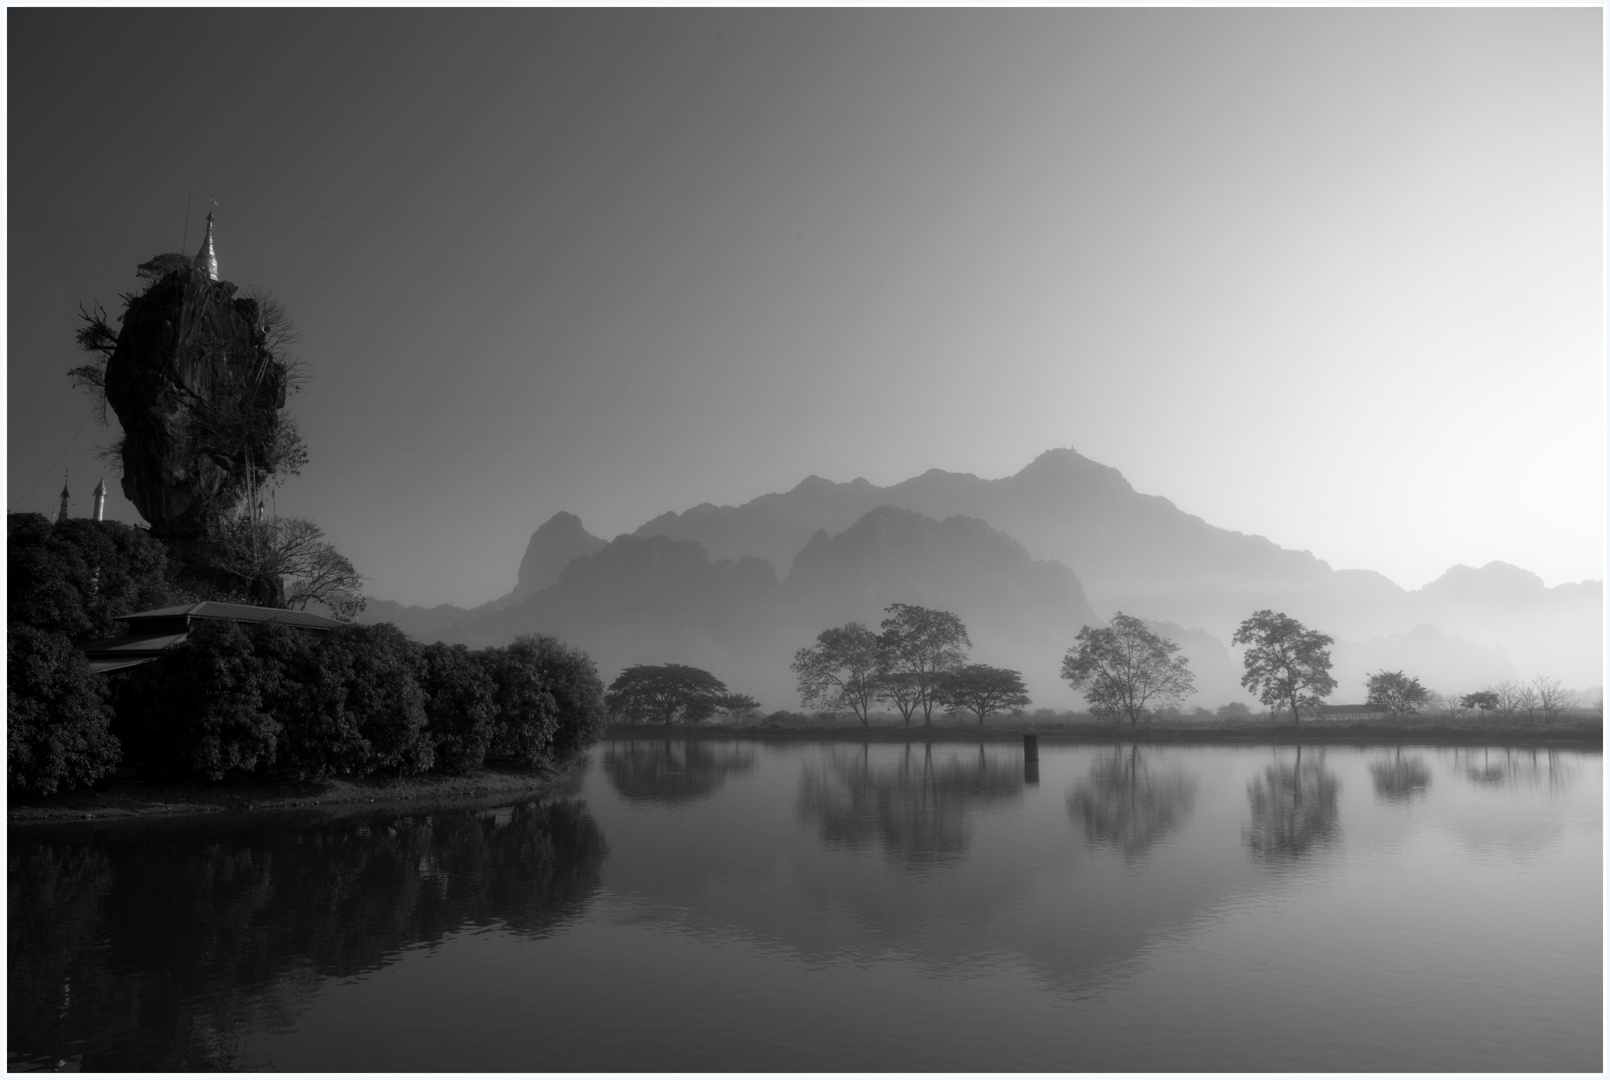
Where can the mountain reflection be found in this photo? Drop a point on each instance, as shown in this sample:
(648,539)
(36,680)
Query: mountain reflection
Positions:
(663,771)
(1400,779)
(1128,806)
(1294,809)
(916,809)
(235,932)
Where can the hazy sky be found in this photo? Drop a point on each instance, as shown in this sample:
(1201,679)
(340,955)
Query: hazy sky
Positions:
(1331,276)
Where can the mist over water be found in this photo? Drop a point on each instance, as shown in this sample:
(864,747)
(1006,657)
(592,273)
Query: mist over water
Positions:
(712,904)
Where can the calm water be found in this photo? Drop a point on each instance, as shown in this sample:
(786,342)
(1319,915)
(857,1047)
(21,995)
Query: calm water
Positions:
(822,906)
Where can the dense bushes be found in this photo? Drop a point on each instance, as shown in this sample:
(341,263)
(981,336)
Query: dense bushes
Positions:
(58,721)
(74,576)
(355,701)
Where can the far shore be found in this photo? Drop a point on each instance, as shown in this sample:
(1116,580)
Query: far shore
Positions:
(129,796)
(1583,735)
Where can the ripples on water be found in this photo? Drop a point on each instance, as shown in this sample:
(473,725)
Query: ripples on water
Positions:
(845,906)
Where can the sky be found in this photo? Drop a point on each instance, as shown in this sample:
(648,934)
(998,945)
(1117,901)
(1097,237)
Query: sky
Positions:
(1335,277)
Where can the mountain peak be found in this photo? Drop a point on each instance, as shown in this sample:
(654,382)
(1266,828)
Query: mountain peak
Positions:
(556,541)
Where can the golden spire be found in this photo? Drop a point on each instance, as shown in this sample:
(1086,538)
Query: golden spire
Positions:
(206,258)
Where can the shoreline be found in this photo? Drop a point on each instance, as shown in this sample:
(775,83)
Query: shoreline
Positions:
(1585,736)
(129,796)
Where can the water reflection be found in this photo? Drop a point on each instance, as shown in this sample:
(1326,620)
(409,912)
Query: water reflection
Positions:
(163,952)
(1399,779)
(683,771)
(1294,809)
(915,808)
(1127,805)
(1516,767)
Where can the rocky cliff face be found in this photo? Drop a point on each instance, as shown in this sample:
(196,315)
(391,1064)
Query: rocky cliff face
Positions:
(198,394)
(559,539)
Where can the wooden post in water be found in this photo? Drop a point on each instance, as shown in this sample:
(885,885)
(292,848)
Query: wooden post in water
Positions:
(1031,758)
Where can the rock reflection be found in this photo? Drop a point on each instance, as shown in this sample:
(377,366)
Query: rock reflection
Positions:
(1517,767)
(915,809)
(1400,779)
(1129,806)
(1294,809)
(165,951)
(673,771)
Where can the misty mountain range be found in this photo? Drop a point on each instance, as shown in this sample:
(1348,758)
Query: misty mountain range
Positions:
(1025,560)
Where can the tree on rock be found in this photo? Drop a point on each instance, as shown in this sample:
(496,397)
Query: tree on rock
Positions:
(644,693)
(922,645)
(841,671)
(1123,668)
(1285,663)
(1395,693)
(982,690)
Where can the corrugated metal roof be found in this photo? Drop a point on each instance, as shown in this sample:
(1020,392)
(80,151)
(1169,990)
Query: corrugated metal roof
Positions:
(212,609)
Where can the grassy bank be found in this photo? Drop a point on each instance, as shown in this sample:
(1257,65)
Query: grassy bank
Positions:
(1587,735)
(130,795)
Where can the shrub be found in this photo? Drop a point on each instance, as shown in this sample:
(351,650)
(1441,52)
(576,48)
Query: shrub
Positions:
(526,715)
(203,708)
(73,577)
(571,678)
(58,721)
(460,706)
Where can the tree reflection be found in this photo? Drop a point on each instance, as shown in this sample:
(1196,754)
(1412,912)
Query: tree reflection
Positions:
(1130,807)
(1517,767)
(915,809)
(1294,809)
(673,770)
(1400,780)
(163,952)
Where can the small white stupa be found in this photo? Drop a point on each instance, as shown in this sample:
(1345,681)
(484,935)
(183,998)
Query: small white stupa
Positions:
(206,258)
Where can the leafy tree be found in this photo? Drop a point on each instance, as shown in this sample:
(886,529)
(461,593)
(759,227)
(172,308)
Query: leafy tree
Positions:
(1122,666)
(842,670)
(738,706)
(58,720)
(571,679)
(647,692)
(1395,693)
(901,690)
(981,690)
(77,576)
(923,645)
(527,714)
(1484,701)
(460,706)
(1285,663)
(204,708)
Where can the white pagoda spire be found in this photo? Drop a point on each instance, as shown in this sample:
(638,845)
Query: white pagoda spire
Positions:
(100,500)
(206,258)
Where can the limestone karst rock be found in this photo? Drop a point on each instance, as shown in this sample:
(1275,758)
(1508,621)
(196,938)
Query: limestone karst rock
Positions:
(198,393)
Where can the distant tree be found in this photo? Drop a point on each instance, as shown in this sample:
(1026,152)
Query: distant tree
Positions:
(900,689)
(1395,693)
(1484,701)
(648,692)
(1285,663)
(1233,710)
(737,706)
(1447,704)
(842,670)
(1526,701)
(58,720)
(922,645)
(982,690)
(460,706)
(1121,667)
(1552,699)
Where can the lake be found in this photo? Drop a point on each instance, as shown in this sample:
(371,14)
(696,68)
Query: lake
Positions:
(725,904)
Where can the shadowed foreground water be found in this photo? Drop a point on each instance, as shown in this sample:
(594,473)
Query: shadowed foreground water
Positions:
(821,906)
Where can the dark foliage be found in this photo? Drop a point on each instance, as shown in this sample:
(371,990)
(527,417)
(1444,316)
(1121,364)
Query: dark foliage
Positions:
(58,720)
(527,716)
(75,577)
(460,706)
(571,677)
(664,692)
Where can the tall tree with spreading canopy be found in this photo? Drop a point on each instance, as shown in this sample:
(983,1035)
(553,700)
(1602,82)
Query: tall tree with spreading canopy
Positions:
(647,692)
(982,690)
(842,670)
(923,645)
(1123,667)
(1285,663)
